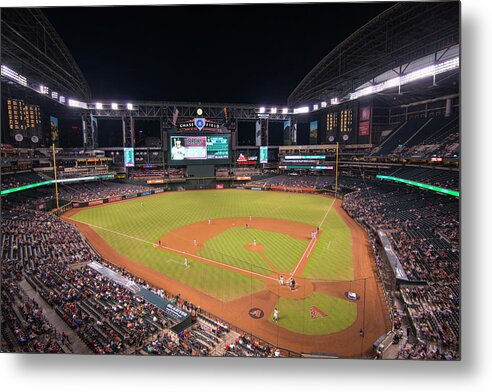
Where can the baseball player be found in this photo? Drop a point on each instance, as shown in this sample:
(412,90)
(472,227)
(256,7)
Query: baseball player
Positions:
(275,314)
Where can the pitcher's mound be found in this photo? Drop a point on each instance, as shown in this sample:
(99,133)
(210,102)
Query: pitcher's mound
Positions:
(257,248)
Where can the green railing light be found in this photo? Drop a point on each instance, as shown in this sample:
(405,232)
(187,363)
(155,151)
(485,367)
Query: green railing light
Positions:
(50,182)
(24,187)
(420,185)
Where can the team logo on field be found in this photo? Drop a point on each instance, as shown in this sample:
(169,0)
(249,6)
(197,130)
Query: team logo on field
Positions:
(317,312)
(256,313)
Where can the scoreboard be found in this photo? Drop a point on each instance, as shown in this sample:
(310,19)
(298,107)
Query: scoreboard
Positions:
(199,149)
(22,116)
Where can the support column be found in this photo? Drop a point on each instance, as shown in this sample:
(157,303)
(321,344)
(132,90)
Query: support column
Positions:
(449,107)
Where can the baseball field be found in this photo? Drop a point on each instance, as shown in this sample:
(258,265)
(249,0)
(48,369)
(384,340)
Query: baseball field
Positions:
(226,251)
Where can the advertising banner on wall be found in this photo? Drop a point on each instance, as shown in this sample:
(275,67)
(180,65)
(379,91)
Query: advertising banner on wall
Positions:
(258,133)
(365,121)
(364,128)
(263,154)
(313,132)
(55,134)
(129,156)
(287,132)
(94,128)
(293,133)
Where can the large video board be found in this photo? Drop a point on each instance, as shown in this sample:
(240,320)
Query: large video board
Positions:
(199,149)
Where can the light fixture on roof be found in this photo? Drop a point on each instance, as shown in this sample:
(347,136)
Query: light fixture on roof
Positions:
(273,110)
(302,109)
(323,104)
(285,110)
(315,107)
(10,73)
(430,70)
(77,104)
(114,106)
(334,101)
(99,105)
(129,106)
(262,110)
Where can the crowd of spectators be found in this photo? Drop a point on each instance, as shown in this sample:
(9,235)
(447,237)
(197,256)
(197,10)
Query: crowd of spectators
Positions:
(423,228)
(446,147)
(246,347)
(295,181)
(422,138)
(146,174)
(24,325)
(98,190)
(448,179)
(50,255)
(311,181)
(10,181)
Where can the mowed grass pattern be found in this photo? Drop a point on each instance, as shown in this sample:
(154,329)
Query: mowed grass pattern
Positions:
(331,259)
(283,251)
(160,214)
(295,314)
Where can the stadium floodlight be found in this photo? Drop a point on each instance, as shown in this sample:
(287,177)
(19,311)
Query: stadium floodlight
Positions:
(315,107)
(54,95)
(303,109)
(334,101)
(323,104)
(99,105)
(285,110)
(62,99)
(43,89)
(114,106)
(273,110)
(11,74)
(77,104)
(262,110)
(430,70)
(129,106)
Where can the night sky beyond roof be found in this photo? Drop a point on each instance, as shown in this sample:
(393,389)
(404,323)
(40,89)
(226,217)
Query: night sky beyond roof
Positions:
(238,53)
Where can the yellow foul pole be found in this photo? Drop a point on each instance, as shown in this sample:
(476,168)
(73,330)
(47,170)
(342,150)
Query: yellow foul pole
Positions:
(54,171)
(336,174)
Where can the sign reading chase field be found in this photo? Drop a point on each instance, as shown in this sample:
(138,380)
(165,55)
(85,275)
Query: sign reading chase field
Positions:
(173,311)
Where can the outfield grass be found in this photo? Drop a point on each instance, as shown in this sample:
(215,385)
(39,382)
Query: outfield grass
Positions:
(332,257)
(131,228)
(295,314)
(283,251)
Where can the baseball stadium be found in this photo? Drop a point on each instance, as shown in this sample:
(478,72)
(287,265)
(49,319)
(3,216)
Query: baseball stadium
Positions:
(323,226)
